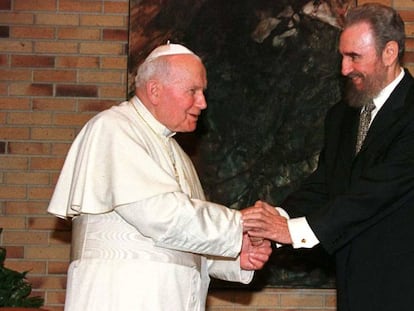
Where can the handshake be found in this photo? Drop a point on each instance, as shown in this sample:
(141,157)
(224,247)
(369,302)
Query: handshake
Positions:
(262,223)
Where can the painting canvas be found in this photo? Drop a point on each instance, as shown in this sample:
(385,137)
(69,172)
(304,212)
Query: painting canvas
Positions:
(273,71)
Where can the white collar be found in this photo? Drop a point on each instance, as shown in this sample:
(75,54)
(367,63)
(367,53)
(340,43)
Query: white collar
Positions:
(156,126)
(386,92)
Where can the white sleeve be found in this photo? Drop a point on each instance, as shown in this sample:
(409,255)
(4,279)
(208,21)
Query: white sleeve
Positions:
(228,269)
(173,220)
(301,233)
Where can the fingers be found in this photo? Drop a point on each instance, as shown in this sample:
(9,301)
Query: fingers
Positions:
(256,241)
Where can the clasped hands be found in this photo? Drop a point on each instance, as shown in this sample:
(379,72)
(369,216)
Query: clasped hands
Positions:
(262,223)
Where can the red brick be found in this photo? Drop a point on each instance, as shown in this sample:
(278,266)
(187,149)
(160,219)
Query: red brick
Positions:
(96,105)
(14,133)
(57,267)
(409,57)
(56,47)
(60,149)
(46,163)
(409,44)
(409,30)
(397,4)
(34,267)
(32,89)
(49,222)
(13,163)
(32,32)
(78,33)
(112,91)
(16,74)
(77,90)
(29,148)
(34,5)
(115,34)
(64,236)
(25,208)
(67,76)
(54,282)
(3,60)
(32,61)
(410,69)
(16,46)
(5,5)
(72,119)
(48,253)
(56,19)
(55,297)
(22,118)
(103,20)
(27,178)
(114,63)
(80,6)
(14,252)
(25,237)
(407,16)
(50,133)
(3,89)
(101,77)
(116,7)
(39,193)
(54,104)
(102,48)
(77,62)
(15,18)
(12,192)
(15,103)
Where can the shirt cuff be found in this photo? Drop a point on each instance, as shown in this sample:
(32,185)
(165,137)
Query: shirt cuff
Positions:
(301,233)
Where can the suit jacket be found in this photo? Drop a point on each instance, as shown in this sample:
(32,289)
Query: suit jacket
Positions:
(361,207)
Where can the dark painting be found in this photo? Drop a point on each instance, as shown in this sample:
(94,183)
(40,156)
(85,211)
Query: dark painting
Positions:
(273,71)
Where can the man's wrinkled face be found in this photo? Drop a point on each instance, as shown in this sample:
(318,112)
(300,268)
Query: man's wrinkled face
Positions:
(182,96)
(361,64)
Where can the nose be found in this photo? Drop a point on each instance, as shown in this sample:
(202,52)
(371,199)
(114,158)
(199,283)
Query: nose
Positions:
(201,101)
(346,66)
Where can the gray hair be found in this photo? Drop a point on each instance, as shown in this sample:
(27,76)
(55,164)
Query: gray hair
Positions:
(385,22)
(155,68)
(149,69)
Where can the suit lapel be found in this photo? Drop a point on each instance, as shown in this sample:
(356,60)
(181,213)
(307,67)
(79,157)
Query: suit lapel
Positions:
(390,113)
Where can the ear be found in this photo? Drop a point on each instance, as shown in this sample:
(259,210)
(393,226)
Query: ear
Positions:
(153,88)
(390,53)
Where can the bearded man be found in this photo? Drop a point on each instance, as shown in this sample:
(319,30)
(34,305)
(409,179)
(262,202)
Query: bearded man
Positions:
(359,203)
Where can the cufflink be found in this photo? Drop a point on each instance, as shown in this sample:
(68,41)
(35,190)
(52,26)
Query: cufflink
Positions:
(303,241)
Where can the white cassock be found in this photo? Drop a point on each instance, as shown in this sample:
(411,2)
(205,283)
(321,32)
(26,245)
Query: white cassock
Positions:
(143,239)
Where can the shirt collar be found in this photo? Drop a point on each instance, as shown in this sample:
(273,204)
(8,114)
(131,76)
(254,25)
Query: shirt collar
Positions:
(386,92)
(158,127)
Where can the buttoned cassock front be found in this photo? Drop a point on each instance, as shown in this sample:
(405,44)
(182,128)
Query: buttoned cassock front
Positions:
(143,238)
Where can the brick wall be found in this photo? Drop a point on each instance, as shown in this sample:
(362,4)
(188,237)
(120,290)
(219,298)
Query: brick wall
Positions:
(62,61)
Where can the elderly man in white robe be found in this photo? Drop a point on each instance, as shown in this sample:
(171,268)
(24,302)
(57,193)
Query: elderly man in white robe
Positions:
(144,238)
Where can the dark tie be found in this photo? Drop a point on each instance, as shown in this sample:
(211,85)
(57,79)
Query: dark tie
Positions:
(364,120)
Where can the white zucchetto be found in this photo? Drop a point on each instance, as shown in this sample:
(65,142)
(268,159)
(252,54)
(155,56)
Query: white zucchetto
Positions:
(168,49)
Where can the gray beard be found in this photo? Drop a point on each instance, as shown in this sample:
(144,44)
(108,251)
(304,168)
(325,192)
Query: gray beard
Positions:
(356,98)
(373,86)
